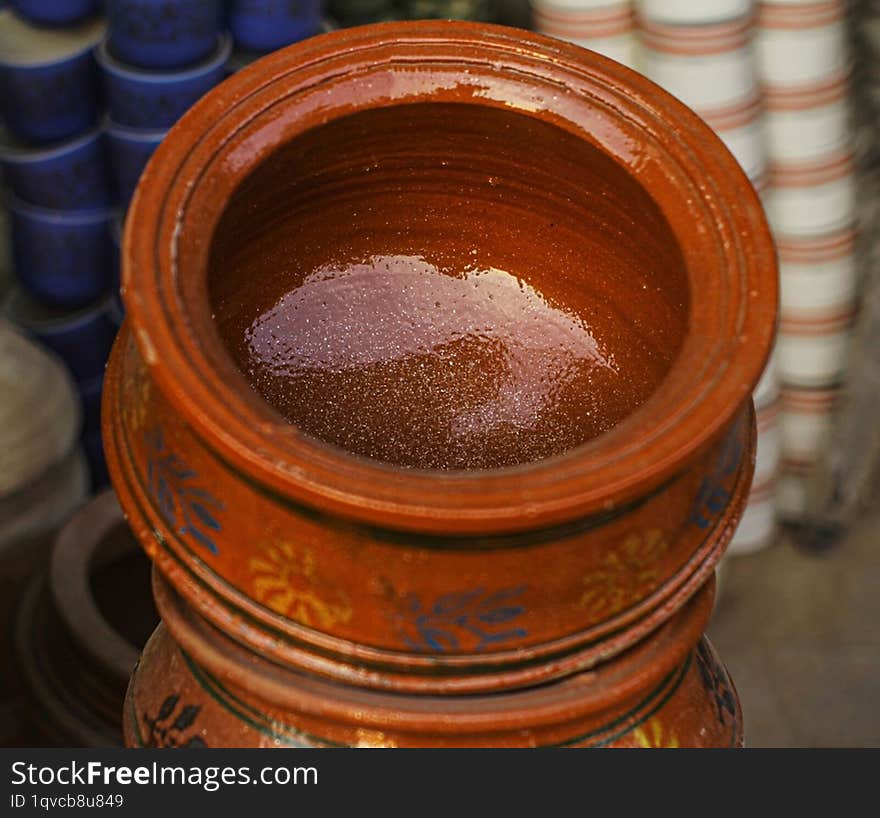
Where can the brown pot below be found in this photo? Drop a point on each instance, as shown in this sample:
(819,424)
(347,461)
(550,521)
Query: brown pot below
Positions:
(195,687)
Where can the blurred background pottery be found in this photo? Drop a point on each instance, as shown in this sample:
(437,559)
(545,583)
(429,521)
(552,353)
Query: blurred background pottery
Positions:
(264,25)
(80,627)
(56,12)
(48,83)
(82,338)
(62,257)
(129,150)
(39,416)
(163,33)
(155,100)
(71,175)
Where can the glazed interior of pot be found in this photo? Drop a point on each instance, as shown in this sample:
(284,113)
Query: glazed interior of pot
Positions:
(448,286)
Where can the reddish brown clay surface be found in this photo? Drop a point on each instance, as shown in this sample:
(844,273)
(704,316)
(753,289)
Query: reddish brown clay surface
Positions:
(285,248)
(664,693)
(436,613)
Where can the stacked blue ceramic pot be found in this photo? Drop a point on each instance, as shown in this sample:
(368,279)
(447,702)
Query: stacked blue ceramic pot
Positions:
(258,27)
(158,58)
(56,191)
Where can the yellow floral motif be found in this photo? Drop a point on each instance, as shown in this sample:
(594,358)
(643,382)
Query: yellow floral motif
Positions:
(284,577)
(652,736)
(625,575)
(373,739)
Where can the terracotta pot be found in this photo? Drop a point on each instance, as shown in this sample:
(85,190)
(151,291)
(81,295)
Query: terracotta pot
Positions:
(195,687)
(466,156)
(80,628)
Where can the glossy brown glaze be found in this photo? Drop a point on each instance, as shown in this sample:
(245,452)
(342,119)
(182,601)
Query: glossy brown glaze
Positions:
(447,286)
(415,611)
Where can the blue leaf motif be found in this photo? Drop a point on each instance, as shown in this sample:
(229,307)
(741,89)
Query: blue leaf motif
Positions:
(451,603)
(200,537)
(170,482)
(204,515)
(462,620)
(500,615)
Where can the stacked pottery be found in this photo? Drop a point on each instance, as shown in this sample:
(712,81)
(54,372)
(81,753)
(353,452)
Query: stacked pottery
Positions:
(260,26)
(79,628)
(158,58)
(705,58)
(57,185)
(43,472)
(604,26)
(804,62)
(82,339)
(506,532)
(703,53)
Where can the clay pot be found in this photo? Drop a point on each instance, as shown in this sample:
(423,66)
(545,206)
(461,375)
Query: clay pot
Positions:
(195,687)
(80,628)
(506,158)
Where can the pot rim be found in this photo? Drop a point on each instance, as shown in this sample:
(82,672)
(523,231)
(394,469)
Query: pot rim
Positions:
(719,226)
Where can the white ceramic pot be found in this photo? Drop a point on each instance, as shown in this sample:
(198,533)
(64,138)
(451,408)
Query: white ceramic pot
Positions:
(768,451)
(818,275)
(810,200)
(758,526)
(708,67)
(813,350)
(767,391)
(688,12)
(605,27)
(792,493)
(804,126)
(805,423)
(742,131)
(800,45)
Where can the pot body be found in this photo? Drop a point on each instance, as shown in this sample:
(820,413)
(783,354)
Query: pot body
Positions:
(410,605)
(195,687)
